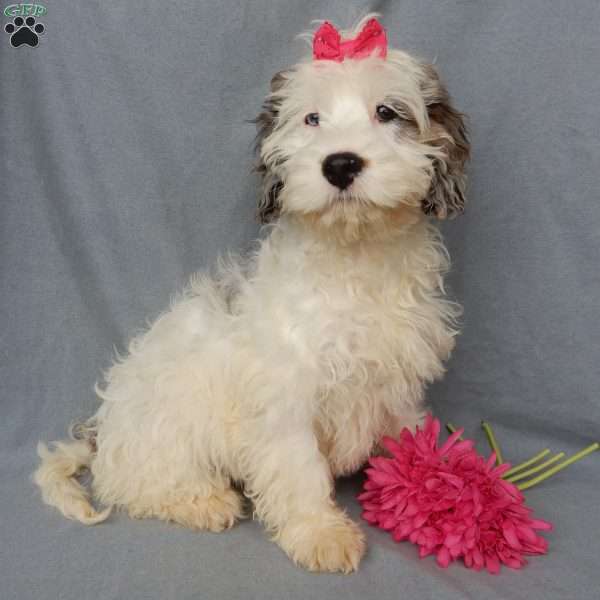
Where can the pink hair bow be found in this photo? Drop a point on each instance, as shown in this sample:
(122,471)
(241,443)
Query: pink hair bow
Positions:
(329,45)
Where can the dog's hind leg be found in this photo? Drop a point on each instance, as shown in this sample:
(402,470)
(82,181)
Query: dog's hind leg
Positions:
(218,510)
(212,508)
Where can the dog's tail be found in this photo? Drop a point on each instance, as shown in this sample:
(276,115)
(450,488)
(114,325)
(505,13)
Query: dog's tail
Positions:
(56,477)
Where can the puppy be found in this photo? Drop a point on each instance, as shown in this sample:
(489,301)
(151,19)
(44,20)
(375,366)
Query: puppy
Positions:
(278,373)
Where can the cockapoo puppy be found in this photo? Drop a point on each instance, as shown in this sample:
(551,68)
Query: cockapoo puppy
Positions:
(281,372)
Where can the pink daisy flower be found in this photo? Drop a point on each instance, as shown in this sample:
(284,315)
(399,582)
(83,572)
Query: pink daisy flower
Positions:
(450,501)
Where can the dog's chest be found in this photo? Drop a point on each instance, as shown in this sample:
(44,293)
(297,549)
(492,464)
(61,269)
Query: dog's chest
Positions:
(359,321)
(360,316)
(353,316)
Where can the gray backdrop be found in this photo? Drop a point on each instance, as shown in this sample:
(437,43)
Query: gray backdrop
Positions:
(125,166)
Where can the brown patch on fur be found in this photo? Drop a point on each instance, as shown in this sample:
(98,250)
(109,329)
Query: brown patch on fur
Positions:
(446,196)
(403,111)
(268,204)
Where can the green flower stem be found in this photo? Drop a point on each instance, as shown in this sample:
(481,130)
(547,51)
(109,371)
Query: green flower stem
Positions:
(528,472)
(526,463)
(452,429)
(492,441)
(563,465)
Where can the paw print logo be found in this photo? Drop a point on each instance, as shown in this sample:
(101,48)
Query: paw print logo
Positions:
(24,31)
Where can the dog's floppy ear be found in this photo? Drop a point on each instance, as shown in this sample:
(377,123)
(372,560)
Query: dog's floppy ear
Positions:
(268,204)
(446,196)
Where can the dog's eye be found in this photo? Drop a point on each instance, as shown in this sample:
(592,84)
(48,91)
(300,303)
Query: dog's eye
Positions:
(384,113)
(312,119)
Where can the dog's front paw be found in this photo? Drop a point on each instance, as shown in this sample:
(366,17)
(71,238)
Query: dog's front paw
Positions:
(328,542)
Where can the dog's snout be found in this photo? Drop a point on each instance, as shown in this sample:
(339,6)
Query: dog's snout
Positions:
(341,168)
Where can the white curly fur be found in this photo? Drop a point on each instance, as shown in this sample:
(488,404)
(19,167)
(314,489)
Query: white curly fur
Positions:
(283,371)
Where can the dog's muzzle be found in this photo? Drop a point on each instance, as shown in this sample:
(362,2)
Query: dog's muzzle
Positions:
(341,168)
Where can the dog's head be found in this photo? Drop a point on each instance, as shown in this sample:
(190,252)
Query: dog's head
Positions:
(356,134)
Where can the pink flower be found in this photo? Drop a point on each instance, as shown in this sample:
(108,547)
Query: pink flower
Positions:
(450,501)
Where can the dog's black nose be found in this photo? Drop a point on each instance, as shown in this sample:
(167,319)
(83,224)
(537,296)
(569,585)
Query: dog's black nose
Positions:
(340,169)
